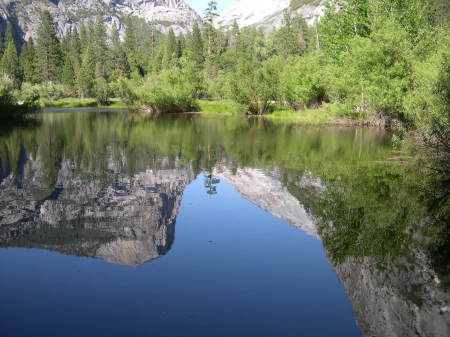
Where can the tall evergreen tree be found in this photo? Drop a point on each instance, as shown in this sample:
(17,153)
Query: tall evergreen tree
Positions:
(6,37)
(84,37)
(85,78)
(28,62)
(68,73)
(210,15)
(75,49)
(118,58)
(170,47)
(9,63)
(181,45)
(49,55)
(235,40)
(196,45)
(131,45)
(100,47)
(292,37)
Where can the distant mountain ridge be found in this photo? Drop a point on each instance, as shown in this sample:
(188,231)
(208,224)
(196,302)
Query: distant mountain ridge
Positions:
(268,14)
(165,14)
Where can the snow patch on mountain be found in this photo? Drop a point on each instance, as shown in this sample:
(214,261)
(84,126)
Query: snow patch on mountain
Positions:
(267,14)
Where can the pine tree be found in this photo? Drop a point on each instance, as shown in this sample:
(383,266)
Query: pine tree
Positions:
(210,15)
(235,41)
(100,47)
(196,45)
(49,55)
(84,37)
(9,63)
(118,57)
(130,45)
(28,62)
(293,37)
(7,36)
(75,49)
(68,73)
(181,45)
(170,47)
(85,78)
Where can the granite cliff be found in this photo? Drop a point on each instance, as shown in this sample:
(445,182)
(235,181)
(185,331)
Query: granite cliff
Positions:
(119,218)
(268,14)
(165,14)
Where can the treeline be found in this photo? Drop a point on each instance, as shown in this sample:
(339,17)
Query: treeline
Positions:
(363,58)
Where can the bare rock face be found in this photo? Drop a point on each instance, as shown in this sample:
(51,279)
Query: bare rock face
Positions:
(267,14)
(165,14)
(119,218)
(264,189)
(405,299)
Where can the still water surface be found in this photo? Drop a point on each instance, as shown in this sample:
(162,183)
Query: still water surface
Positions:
(117,225)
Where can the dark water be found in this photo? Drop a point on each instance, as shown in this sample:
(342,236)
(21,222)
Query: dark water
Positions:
(117,225)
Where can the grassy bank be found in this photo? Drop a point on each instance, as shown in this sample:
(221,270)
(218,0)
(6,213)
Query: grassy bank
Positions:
(81,103)
(218,106)
(328,114)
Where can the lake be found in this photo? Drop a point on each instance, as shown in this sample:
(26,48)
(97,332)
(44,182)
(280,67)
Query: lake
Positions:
(112,224)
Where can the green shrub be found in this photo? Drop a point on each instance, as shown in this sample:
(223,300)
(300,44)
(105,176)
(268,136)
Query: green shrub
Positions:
(254,87)
(121,88)
(303,82)
(53,91)
(171,90)
(9,108)
(6,89)
(102,91)
(29,93)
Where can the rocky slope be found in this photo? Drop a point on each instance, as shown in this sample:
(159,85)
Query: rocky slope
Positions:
(119,218)
(264,189)
(268,14)
(404,299)
(24,14)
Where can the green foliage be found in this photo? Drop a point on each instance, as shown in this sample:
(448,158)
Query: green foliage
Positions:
(9,107)
(255,89)
(68,73)
(85,77)
(29,93)
(365,58)
(121,88)
(48,50)
(293,37)
(28,62)
(217,106)
(6,89)
(195,45)
(303,82)
(380,71)
(102,91)
(9,63)
(52,90)
(171,90)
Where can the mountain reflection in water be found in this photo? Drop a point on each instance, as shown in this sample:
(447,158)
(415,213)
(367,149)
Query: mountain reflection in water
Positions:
(109,186)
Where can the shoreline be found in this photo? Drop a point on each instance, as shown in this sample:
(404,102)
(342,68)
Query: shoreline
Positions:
(324,116)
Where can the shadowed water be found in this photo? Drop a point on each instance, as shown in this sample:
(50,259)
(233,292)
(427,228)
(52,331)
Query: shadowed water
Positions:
(113,224)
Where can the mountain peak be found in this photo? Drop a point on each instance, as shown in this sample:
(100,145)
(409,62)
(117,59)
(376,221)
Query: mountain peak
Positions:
(24,15)
(268,14)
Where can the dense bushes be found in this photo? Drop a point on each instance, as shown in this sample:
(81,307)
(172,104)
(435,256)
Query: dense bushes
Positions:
(10,107)
(6,89)
(304,82)
(364,58)
(170,90)
(255,87)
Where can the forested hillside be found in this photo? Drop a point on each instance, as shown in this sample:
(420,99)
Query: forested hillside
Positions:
(388,59)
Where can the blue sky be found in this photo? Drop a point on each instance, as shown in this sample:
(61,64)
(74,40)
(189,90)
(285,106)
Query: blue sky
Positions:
(200,5)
